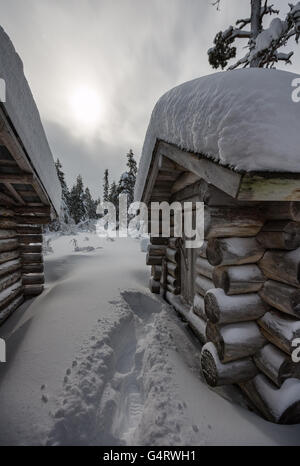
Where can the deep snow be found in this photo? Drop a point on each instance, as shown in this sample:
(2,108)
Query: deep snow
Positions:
(245,119)
(97,360)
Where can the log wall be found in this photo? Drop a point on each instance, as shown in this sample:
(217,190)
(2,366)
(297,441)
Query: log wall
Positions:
(246,303)
(21,258)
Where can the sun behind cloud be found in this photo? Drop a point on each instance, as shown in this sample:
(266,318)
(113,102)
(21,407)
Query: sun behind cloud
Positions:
(86,107)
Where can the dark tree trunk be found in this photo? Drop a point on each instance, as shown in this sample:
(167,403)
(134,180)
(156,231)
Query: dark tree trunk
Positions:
(256,25)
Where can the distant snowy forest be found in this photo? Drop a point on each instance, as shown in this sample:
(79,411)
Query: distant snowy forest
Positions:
(78,207)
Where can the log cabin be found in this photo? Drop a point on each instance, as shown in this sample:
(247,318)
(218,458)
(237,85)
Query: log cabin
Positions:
(30,191)
(210,141)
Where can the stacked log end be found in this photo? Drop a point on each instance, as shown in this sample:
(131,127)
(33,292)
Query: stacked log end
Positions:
(246,306)
(203,283)
(170,280)
(253,312)
(11,290)
(232,305)
(21,257)
(31,249)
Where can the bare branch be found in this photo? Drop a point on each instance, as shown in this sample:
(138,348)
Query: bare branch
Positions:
(268,9)
(217,4)
(242,61)
(243,22)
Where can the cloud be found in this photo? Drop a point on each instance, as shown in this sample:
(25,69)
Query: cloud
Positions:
(88,160)
(129,51)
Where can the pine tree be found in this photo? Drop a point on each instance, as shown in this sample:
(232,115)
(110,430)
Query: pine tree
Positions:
(128,179)
(64,187)
(64,214)
(263,44)
(77,207)
(106,187)
(90,206)
(113,194)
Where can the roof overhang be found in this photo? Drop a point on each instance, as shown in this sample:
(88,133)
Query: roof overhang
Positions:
(173,169)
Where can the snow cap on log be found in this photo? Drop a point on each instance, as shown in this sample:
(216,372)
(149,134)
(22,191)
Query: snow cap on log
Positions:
(245,119)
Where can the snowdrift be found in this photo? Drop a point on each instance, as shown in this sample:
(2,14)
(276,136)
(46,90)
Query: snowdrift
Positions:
(243,119)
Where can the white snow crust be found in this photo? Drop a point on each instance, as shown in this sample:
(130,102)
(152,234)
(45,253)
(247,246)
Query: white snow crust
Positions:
(245,119)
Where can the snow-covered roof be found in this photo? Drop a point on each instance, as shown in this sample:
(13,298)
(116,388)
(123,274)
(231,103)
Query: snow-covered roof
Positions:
(23,113)
(243,119)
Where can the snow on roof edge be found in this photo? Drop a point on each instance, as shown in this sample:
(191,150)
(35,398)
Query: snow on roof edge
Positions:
(24,115)
(243,119)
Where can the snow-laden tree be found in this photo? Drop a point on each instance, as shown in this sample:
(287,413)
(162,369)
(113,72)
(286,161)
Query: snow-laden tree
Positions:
(90,206)
(128,179)
(77,207)
(64,219)
(263,45)
(113,193)
(106,186)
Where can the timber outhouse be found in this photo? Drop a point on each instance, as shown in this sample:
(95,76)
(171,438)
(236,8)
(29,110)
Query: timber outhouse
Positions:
(30,191)
(232,141)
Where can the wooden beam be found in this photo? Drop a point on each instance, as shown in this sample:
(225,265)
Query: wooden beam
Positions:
(280,405)
(216,373)
(184,180)
(280,330)
(8,310)
(32,220)
(225,179)
(7,199)
(283,297)
(9,139)
(223,309)
(284,187)
(233,251)
(235,341)
(152,177)
(276,365)
(33,290)
(241,186)
(40,210)
(14,193)
(222,222)
(25,178)
(282,266)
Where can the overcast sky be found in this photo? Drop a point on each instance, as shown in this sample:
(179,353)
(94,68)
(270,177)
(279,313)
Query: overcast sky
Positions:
(97,67)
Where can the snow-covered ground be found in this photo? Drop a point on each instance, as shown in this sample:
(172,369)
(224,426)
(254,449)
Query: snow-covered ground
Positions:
(97,360)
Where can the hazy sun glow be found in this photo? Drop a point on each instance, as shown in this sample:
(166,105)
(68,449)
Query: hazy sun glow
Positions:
(86,107)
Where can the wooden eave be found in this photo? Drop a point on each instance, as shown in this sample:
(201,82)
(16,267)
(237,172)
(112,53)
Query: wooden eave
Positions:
(20,185)
(173,169)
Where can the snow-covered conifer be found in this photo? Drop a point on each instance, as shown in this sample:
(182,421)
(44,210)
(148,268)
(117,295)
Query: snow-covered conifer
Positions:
(263,47)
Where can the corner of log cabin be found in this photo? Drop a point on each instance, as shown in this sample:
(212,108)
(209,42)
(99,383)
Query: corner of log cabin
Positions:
(240,291)
(30,191)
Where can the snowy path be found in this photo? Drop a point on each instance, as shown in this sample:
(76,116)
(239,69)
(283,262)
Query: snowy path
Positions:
(90,363)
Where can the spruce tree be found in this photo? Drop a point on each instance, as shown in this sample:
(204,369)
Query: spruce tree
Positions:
(64,214)
(64,187)
(128,179)
(77,207)
(106,186)
(90,206)
(113,194)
